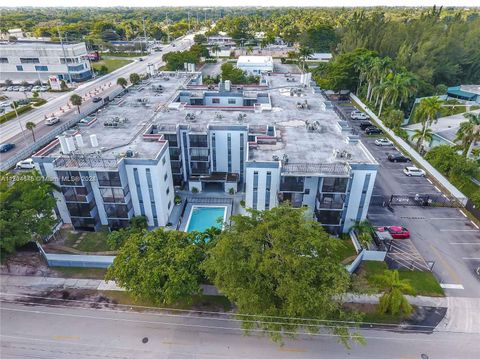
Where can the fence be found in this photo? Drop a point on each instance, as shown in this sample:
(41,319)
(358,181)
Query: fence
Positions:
(363,254)
(76,260)
(424,200)
(44,140)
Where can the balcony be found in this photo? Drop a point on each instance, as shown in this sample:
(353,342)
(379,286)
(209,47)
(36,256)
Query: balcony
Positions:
(291,184)
(330,201)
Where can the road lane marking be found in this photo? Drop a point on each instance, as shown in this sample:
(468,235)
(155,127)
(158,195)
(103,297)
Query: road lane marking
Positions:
(429,181)
(470,259)
(450,218)
(66,337)
(437,188)
(478,243)
(451,286)
(292,350)
(474,224)
(459,230)
(463,213)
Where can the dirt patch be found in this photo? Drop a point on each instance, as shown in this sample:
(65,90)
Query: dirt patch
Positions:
(25,263)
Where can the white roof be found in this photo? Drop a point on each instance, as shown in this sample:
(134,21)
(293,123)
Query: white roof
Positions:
(258,60)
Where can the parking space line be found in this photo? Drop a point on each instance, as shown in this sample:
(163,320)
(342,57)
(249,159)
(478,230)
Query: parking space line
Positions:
(470,259)
(459,230)
(451,219)
(463,213)
(429,181)
(437,188)
(474,224)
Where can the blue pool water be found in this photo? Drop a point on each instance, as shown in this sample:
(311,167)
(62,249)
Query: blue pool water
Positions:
(205,217)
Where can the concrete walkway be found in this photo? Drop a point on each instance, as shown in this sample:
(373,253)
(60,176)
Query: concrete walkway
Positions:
(463,314)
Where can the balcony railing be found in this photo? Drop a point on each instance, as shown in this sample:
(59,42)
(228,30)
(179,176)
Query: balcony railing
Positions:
(85,162)
(325,170)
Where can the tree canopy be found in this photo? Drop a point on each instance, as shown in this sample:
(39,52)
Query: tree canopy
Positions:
(26,209)
(276,265)
(161,266)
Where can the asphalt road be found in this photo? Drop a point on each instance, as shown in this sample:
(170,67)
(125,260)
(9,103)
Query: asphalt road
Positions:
(52,332)
(444,236)
(11,130)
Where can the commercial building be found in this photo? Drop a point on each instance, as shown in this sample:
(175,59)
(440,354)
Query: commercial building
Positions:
(295,150)
(38,60)
(465,92)
(255,65)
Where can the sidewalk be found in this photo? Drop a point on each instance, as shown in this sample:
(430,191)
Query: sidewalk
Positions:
(463,314)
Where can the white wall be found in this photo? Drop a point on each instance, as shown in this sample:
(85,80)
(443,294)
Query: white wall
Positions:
(221,146)
(353,206)
(261,188)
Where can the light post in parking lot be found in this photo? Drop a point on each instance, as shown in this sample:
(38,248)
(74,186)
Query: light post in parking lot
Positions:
(19,122)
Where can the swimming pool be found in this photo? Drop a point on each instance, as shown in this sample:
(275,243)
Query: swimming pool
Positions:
(203,217)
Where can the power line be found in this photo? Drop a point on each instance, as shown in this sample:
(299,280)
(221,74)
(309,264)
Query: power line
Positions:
(327,323)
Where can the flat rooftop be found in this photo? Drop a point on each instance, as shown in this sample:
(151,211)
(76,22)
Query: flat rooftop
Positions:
(313,135)
(134,110)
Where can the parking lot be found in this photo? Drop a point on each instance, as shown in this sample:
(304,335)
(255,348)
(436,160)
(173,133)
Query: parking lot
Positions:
(446,239)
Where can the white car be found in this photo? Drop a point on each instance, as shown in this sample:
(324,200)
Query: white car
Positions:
(357,115)
(36,88)
(413,171)
(25,164)
(43,88)
(52,120)
(383,142)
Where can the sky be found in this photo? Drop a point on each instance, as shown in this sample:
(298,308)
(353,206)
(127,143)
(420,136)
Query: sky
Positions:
(211,3)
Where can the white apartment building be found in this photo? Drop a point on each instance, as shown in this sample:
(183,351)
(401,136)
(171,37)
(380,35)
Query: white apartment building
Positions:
(294,150)
(255,65)
(38,60)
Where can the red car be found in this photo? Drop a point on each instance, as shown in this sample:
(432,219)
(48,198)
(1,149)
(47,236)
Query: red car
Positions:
(396,232)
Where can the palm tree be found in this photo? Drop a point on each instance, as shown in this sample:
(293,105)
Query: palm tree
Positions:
(428,110)
(380,69)
(393,300)
(215,49)
(121,81)
(363,230)
(421,136)
(304,53)
(76,100)
(469,132)
(31,126)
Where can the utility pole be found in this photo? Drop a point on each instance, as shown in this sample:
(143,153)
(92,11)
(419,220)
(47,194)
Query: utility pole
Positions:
(188,16)
(144,34)
(64,55)
(19,122)
(166,22)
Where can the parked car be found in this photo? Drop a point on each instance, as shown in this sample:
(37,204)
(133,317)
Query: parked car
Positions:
(140,59)
(357,115)
(16,88)
(96,99)
(365,124)
(9,88)
(397,232)
(398,158)
(44,88)
(52,120)
(413,171)
(5,147)
(22,89)
(25,164)
(372,130)
(5,104)
(36,88)
(383,142)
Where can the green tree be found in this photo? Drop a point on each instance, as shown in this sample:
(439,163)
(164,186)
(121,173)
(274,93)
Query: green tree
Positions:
(116,239)
(278,266)
(134,78)
(121,81)
(230,72)
(393,300)
(200,39)
(469,132)
(215,49)
(76,100)
(422,136)
(394,119)
(26,209)
(31,127)
(63,85)
(160,266)
(364,231)
(35,94)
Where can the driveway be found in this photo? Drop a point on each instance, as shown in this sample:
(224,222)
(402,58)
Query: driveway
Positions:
(445,237)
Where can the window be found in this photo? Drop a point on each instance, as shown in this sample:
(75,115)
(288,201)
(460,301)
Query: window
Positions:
(80,209)
(214,153)
(29,60)
(3,60)
(116,210)
(332,184)
(70,178)
(76,68)
(215,100)
(75,194)
(112,195)
(168,190)
(165,177)
(229,147)
(255,189)
(109,179)
(231,101)
(41,68)
(70,60)
(19,68)
(163,160)
(267,190)
(139,191)
(169,204)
